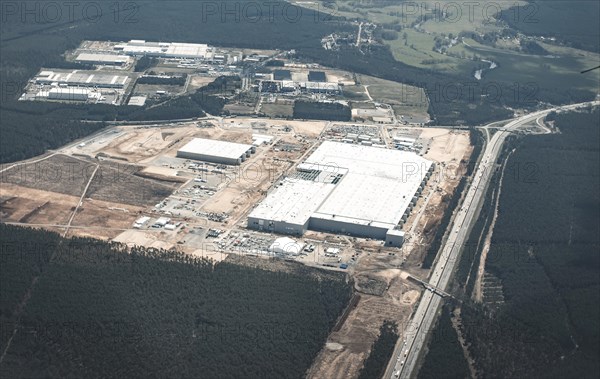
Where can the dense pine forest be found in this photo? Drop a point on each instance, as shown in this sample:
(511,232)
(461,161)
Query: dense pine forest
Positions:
(445,358)
(96,309)
(544,252)
(321,111)
(381,351)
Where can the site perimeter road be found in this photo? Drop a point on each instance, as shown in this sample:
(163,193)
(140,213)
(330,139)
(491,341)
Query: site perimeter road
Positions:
(406,354)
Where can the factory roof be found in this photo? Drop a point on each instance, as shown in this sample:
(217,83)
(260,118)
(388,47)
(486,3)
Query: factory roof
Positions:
(80,77)
(379,186)
(167,49)
(282,75)
(372,187)
(215,148)
(108,58)
(293,202)
(187,49)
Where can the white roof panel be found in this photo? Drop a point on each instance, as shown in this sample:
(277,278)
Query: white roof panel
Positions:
(215,148)
(108,58)
(379,185)
(293,202)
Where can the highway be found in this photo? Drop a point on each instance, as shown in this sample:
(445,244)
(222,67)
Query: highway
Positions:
(405,359)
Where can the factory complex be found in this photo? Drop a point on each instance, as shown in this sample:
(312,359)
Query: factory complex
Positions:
(357,190)
(283,80)
(175,50)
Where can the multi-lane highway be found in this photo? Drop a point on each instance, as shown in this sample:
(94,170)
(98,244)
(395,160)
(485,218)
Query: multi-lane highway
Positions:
(408,349)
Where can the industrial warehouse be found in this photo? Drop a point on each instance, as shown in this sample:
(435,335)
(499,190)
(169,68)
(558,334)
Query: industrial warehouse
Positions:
(214,151)
(282,81)
(81,78)
(103,59)
(358,190)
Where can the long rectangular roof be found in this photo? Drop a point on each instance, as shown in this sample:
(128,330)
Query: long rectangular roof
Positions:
(374,189)
(293,202)
(105,58)
(379,185)
(215,148)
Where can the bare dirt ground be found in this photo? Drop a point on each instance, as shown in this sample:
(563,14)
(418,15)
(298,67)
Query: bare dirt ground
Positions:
(198,81)
(447,145)
(346,349)
(142,143)
(94,218)
(33,206)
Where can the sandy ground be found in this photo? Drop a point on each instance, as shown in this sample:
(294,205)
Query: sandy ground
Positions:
(346,349)
(144,238)
(139,144)
(94,218)
(447,145)
(198,81)
(32,206)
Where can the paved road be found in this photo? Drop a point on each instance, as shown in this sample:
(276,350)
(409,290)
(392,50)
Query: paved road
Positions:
(407,352)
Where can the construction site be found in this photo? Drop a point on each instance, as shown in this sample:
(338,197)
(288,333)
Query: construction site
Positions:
(199,187)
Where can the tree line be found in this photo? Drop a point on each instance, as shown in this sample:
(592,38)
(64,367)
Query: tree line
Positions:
(101,309)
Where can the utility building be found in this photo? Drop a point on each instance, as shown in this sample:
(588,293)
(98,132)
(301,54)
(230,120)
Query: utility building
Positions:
(103,59)
(223,152)
(350,189)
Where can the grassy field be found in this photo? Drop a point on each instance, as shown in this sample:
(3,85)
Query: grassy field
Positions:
(414,45)
(277,110)
(562,70)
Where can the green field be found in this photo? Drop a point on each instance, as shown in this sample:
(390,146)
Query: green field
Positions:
(414,46)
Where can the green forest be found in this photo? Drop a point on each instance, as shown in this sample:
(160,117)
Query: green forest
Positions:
(381,351)
(445,358)
(544,251)
(97,309)
(321,111)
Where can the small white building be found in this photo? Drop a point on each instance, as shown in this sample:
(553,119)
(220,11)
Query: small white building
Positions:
(162,221)
(286,245)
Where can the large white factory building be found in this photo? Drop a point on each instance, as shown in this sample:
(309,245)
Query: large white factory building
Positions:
(357,190)
(215,151)
(166,49)
(82,78)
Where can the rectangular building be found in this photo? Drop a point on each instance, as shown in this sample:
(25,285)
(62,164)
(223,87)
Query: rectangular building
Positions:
(82,78)
(350,189)
(215,151)
(164,49)
(103,59)
(66,94)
